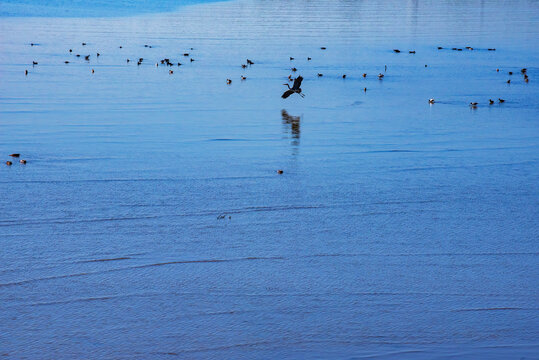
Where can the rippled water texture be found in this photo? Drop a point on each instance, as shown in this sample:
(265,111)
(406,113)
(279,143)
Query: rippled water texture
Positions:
(150,220)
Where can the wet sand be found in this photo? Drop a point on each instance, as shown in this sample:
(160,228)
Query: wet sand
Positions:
(398,229)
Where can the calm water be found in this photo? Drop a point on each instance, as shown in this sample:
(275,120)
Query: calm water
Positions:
(399,229)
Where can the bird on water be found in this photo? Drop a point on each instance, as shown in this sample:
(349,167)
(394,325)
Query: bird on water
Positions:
(294,89)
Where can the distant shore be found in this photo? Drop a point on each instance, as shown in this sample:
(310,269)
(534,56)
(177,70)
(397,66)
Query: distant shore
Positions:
(99,8)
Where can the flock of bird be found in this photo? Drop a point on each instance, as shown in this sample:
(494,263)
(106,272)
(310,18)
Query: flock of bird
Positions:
(21,161)
(296,87)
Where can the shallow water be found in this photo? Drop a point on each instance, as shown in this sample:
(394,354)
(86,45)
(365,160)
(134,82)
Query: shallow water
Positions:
(398,229)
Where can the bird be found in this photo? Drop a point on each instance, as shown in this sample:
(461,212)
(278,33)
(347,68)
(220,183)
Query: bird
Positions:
(250,62)
(120,46)
(431,101)
(87,58)
(364,89)
(396,50)
(9,163)
(25,72)
(66,62)
(34,62)
(186,54)
(98,54)
(78,55)
(501,100)
(344,76)
(296,88)
(509,81)
(510,73)
(308,59)
(380,76)
(320,75)
(473,104)
(491,49)
(291,58)
(228,81)
(523,70)
(171,72)
(323,48)
(93,71)
(192,59)
(243,77)
(22,161)
(411,52)
(15,155)
(294,69)
(70,50)
(490,101)
(364,75)
(497,70)
(83,44)
(526,79)
(243,66)
(280,172)
(440,48)
(130,60)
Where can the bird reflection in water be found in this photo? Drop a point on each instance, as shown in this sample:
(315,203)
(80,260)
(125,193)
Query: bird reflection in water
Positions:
(292,126)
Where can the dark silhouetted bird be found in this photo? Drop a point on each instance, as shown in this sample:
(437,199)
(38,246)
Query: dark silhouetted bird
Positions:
(294,89)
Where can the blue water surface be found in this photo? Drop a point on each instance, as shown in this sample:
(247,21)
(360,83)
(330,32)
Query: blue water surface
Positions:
(151,222)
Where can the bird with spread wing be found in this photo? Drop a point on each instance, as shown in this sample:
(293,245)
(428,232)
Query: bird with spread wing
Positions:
(294,89)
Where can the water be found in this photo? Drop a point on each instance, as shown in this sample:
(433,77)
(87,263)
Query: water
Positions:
(398,229)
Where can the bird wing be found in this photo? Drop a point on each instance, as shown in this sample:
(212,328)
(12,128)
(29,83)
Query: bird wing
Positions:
(287,93)
(297,83)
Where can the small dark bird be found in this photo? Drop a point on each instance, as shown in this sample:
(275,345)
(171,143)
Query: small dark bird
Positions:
(492,49)
(296,88)
(250,62)
(469,48)
(497,70)
(459,49)
(344,76)
(380,76)
(192,60)
(294,69)
(426,65)
(98,54)
(510,73)
(83,44)
(25,72)
(523,70)
(432,101)
(87,57)
(22,161)
(291,58)
(15,155)
(66,62)
(323,48)
(179,64)
(473,104)
(320,75)
(526,79)
(411,52)
(365,89)
(34,62)
(78,55)
(171,72)
(243,77)
(308,59)
(501,100)
(279,172)
(145,45)
(454,49)
(186,54)
(130,60)
(228,81)
(490,101)
(9,163)
(290,78)
(70,50)
(243,66)
(93,71)
(509,81)
(32,44)
(440,48)
(364,75)
(396,50)
(120,47)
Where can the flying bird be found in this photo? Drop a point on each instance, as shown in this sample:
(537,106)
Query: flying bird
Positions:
(294,89)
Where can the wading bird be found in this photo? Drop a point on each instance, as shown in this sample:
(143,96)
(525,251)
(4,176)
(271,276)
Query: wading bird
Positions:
(294,89)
